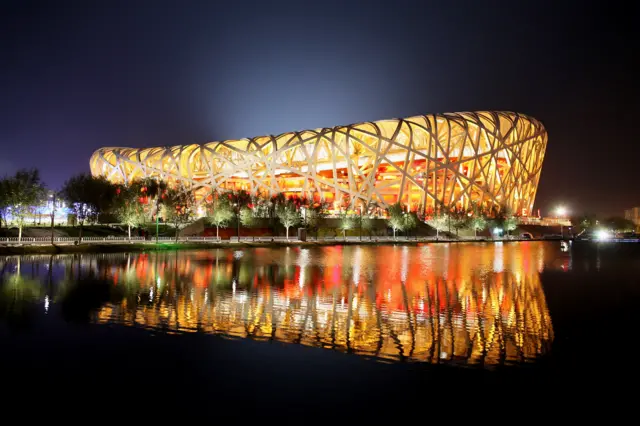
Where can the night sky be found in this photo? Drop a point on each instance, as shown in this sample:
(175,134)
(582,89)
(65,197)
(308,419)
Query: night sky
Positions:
(79,75)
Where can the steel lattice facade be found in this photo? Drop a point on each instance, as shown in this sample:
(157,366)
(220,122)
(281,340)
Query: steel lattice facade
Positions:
(426,162)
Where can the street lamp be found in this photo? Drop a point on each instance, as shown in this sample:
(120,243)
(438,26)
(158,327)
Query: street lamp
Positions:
(360,208)
(236,207)
(52,196)
(404,221)
(303,210)
(561,211)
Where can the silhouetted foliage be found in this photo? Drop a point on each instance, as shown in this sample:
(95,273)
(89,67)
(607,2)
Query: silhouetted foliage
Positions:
(88,196)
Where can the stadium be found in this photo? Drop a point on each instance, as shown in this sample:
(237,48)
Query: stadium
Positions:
(426,162)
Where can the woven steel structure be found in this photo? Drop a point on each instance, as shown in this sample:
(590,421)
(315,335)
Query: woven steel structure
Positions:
(427,162)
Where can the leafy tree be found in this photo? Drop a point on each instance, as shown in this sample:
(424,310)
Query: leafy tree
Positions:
(619,224)
(222,214)
(439,222)
(267,205)
(510,223)
(179,204)
(478,223)
(312,218)
(288,215)
(459,219)
(261,207)
(586,221)
(347,222)
(478,220)
(152,193)
(88,196)
(372,209)
(368,224)
(4,201)
(247,219)
(401,220)
(20,193)
(242,198)
(410,221)
(314,214)
(129,210)
(395,220)
(275,201)
(368,218)
(237,200)
(504,219)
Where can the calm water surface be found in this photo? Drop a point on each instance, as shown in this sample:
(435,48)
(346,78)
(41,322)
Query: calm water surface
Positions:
(463,304)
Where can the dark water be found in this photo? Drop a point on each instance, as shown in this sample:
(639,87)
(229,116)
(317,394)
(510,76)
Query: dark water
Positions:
(490,307)
(466,303)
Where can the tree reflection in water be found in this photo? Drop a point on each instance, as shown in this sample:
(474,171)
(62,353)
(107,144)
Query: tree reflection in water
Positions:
(18,296)
(477,304)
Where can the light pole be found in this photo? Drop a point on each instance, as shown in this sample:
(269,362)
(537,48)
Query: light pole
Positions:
(561,211)
(360,223)
(236,206)
(404,221)
(157,215)
(53,212)
(303,209)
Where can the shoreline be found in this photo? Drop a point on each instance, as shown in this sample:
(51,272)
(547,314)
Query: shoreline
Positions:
(143,247)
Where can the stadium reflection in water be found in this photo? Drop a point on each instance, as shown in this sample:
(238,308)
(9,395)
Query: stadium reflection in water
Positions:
(475,304)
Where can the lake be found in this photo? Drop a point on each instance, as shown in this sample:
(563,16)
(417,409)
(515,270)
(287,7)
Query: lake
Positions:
(493,311)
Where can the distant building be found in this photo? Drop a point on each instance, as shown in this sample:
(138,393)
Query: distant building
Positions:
(633,214)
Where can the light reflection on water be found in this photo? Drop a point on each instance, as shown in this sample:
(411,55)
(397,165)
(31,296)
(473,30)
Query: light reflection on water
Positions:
(467,304)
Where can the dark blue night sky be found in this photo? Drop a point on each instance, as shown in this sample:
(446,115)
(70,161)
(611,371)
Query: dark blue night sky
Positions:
(79,75)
